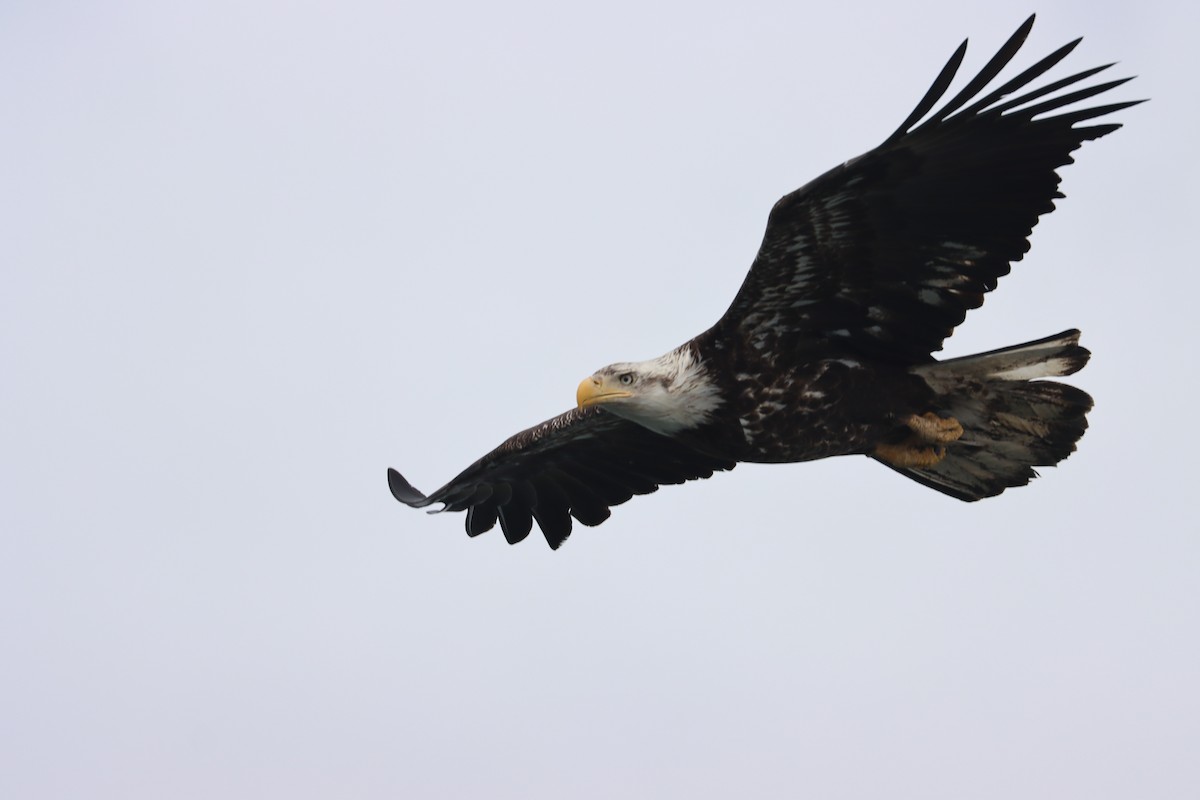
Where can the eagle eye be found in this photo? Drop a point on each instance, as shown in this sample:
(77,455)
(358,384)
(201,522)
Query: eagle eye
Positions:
(626,378)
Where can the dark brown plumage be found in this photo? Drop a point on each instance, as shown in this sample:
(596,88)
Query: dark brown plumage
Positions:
(827,347)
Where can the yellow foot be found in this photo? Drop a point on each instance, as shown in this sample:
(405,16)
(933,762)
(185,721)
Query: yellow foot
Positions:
(923,446)
(931,428)
(909,455)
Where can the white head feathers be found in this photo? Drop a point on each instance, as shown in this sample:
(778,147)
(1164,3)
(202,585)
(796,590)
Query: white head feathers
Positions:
(668,394)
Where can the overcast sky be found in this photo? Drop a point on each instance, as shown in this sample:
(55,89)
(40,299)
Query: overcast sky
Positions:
(255,253)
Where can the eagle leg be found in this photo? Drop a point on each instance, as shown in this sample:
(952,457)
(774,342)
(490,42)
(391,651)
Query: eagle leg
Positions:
(924,444)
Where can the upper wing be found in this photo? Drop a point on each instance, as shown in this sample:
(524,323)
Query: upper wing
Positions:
(577,464)
(886,253)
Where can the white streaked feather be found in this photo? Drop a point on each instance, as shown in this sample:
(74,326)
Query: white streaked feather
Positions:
(1027,372)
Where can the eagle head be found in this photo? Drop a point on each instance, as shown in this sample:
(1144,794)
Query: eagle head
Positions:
(667,394)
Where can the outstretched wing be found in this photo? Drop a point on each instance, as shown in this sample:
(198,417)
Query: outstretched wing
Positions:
(578,464)
(887,253)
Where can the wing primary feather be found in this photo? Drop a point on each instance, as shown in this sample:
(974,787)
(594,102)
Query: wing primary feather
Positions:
(1032,74)
(1084,113)
(515,518)
(515,522)
(990,70)
(591,515)
(1096,131)
(1091,113)
(550,510)
(481,518)
(403,491)
(555,523)
(585,505)
(1049,88)
(934,93)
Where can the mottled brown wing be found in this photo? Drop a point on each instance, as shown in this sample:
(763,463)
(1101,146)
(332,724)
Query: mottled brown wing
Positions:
(885,254)
(576,465)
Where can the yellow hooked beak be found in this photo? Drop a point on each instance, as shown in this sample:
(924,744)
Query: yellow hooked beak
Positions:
(596,390)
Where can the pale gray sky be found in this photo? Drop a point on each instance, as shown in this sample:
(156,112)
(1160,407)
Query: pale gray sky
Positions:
(255,253)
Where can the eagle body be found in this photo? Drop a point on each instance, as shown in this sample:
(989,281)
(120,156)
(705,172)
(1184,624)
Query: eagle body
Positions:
(820,404)
(828,347)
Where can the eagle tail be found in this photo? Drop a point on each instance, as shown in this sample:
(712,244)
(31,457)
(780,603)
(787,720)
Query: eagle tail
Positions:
(1012,421)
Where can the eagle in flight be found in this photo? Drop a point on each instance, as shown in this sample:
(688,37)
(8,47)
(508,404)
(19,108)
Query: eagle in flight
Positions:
(826,349)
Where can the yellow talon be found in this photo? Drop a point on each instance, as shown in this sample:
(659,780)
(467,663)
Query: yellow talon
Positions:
(923,447)
(934,429)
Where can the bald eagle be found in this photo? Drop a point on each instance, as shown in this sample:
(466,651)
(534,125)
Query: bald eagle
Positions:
(826,349)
